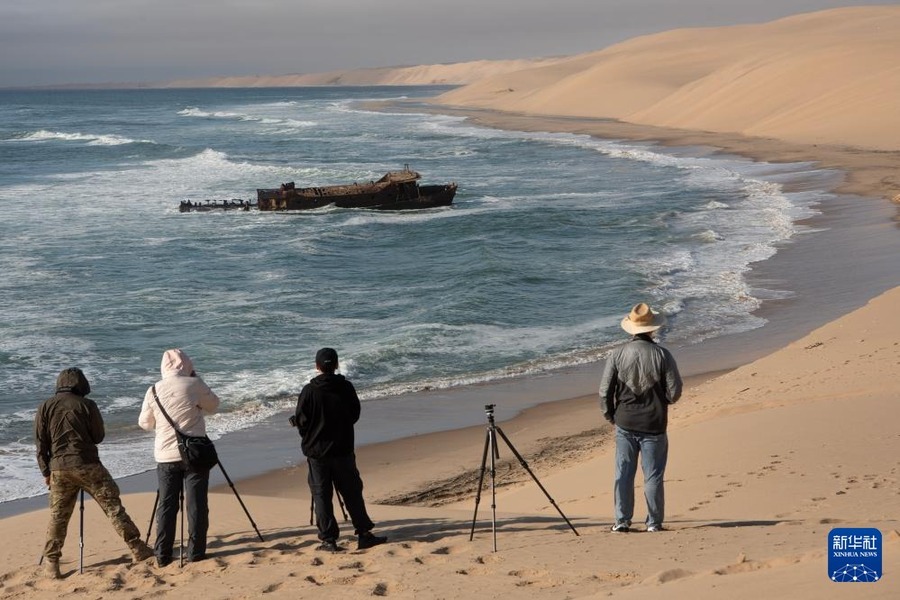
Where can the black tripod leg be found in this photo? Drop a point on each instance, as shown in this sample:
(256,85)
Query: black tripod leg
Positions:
(533,476)
(487,440)
(81,535)
(340,503)
(238,496)
(181,541)
(495,454)
(152,516)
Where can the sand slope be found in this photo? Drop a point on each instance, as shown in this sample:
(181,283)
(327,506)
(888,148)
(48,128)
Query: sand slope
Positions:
(828,77)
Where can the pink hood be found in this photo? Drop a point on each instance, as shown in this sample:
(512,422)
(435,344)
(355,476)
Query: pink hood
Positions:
(176,362)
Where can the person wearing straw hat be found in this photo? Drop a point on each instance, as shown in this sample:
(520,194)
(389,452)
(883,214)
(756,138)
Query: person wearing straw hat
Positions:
(639,383)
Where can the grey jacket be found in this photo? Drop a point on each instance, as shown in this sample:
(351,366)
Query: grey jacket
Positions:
(639,382)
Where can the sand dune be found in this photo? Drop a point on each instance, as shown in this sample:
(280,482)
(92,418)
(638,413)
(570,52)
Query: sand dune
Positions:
(440,74)
(829,77)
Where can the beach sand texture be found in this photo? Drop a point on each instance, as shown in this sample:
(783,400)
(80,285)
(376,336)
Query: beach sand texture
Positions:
(765,460)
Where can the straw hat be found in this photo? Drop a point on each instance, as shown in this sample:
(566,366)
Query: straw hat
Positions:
(642,319)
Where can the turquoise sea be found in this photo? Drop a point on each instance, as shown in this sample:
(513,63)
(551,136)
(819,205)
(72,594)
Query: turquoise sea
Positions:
(549,241)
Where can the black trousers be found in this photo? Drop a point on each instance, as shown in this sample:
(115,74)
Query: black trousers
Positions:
(326,474)
(173,478)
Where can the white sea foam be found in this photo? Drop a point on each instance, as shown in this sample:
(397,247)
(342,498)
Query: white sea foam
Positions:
(410,217)
(91,139)
(249,117)
(708,235)
(17,417)
(19,476)
(204,114)
(713,205)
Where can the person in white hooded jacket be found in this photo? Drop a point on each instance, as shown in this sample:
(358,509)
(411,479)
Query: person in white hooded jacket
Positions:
(186,399)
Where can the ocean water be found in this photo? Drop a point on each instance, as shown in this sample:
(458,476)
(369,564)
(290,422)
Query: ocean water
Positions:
(549,241)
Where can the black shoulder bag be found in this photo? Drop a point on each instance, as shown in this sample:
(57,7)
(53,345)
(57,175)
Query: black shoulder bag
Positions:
(197,452)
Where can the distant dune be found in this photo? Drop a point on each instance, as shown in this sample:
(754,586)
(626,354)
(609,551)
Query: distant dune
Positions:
(830,77)
(449,74)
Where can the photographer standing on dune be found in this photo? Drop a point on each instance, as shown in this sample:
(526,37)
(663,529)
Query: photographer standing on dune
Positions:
(187,400)
(639,383)
(67,429)
(327,409)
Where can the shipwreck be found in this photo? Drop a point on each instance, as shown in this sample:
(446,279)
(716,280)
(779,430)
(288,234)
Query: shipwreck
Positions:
(397,190)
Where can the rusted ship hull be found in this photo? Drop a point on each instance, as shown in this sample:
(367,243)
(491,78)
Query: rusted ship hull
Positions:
(397,190)
(429,196)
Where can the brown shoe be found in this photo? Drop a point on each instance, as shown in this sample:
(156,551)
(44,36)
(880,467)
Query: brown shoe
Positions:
(51,569)
(141,551)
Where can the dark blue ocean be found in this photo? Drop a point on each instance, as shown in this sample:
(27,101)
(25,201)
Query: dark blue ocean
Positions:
(549,241)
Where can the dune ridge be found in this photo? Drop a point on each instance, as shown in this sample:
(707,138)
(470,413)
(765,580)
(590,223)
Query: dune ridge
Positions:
(434,74)
(830,77)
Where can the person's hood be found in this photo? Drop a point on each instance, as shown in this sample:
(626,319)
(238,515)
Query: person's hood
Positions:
(176,362)
(73,380)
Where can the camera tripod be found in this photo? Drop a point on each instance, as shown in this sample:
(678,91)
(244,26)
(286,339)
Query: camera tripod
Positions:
(490,443)
(181,509)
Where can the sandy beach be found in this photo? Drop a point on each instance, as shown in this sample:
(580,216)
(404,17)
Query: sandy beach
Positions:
(765,458)
(765,461)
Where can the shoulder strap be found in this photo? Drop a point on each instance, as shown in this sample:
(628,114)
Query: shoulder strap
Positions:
(163,410)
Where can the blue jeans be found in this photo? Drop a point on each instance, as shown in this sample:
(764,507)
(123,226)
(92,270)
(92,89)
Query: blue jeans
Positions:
(654,451)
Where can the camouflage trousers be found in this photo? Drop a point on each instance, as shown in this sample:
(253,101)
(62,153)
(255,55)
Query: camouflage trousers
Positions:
(96,481)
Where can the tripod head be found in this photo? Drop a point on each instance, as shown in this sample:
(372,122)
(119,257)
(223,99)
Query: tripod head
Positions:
(489,411)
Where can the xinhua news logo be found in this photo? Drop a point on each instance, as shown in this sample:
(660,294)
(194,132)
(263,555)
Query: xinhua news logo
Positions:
(854,555)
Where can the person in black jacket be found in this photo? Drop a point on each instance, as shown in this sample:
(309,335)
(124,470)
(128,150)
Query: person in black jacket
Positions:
(327,409)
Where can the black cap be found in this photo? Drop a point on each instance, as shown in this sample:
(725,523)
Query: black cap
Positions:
(327,357)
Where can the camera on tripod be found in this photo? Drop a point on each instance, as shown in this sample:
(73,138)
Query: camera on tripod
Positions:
(489,409)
